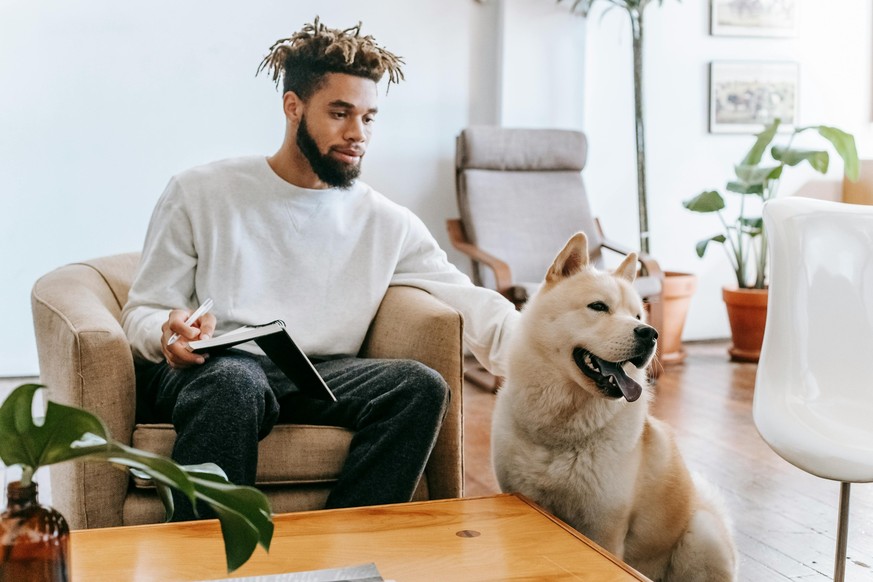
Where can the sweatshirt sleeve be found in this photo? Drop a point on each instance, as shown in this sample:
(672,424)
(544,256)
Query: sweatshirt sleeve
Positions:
(489,318)
(165,278)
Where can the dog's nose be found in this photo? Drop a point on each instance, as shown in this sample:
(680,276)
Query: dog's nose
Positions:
(646,333)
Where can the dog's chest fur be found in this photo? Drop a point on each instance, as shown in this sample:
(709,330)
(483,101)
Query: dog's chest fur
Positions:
(567,450)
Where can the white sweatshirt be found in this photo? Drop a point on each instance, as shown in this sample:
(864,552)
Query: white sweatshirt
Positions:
(321,260)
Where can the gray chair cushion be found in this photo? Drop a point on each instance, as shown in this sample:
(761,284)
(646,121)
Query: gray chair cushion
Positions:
(521,196)
(502,149)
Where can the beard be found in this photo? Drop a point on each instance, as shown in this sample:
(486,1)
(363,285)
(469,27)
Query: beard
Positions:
(334,173)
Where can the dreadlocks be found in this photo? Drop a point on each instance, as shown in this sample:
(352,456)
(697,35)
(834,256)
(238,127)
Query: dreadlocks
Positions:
(303,59)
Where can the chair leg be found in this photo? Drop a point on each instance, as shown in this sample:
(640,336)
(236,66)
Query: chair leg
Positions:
(655,309)
(842,534)
(476,374)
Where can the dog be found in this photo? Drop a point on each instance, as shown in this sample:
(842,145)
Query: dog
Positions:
(571,428)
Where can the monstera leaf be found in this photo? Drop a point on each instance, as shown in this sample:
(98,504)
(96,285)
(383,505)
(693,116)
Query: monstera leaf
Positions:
(67,433)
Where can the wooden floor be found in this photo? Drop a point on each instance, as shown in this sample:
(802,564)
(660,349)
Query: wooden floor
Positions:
(784,519)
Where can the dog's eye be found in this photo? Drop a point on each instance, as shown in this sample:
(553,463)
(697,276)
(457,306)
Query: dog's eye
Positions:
(598,306)
(640,317)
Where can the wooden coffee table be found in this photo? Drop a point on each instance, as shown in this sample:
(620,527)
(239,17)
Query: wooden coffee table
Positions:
(504,537)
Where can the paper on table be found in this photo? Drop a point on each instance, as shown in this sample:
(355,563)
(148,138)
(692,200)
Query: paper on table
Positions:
(359,573)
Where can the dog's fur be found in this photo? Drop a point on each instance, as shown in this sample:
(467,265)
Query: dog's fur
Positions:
(583,445)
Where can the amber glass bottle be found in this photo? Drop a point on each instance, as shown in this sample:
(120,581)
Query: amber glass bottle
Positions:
(34,539)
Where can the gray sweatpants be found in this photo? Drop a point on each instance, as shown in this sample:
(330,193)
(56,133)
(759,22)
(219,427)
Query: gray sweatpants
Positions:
(221,409)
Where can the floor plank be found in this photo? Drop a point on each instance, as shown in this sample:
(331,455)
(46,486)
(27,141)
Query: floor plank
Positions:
(784,519)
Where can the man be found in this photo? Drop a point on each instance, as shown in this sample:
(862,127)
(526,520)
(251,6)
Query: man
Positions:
(295,236)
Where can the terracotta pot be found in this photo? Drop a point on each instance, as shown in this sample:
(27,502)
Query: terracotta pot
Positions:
(747,312)
(676,296)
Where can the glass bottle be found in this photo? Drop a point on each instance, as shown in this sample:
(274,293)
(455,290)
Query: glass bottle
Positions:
(34,540)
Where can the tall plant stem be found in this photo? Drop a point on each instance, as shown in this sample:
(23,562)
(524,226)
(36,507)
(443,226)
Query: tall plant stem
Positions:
(636,17)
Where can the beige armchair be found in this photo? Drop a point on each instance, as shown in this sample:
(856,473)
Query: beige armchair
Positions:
(85,361)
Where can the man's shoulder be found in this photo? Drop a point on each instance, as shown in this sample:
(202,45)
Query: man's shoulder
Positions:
(381,202)
(222,169)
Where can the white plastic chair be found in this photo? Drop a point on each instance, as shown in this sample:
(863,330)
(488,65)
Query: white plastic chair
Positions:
(813,400)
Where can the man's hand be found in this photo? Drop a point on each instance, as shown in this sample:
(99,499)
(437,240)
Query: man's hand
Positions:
(179,355)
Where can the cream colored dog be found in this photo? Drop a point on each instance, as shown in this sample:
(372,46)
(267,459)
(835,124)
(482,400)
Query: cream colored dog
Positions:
(571,427)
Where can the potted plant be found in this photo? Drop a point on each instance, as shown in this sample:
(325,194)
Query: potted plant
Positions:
(33,539)
(757,179)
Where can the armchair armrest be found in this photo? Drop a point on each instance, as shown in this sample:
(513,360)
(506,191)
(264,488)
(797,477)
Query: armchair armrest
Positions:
(459,240)
(412,324)
(85,361)
(650,265)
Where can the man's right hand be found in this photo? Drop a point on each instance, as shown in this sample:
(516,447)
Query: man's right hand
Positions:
(179,355)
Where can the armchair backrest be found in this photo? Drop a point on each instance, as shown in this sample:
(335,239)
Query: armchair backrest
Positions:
(521,196)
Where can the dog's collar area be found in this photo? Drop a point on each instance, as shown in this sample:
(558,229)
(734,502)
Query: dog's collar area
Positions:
(609,377)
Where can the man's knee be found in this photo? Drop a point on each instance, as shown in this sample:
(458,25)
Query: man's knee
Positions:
(227,386)
(425,383)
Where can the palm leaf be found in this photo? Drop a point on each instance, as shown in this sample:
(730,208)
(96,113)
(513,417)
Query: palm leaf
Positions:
(844,143)
(701,246)
(818,159)
(756,153)
(709,201)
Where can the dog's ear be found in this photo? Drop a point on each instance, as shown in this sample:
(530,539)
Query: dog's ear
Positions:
(628,268)
(571,260)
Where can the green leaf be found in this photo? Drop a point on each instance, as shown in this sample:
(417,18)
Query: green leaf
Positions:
(25,443)
(160,469)
(166,495)
(70,433)
(244,514)
(240,537)
(752,226)
(844,143)
(701,246)
(754,156)
(709,201)
(756,175)
(776,173)
(818,159)
(741,188)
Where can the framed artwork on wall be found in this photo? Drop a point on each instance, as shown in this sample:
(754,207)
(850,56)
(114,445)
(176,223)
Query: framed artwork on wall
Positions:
(777,18)
(745,96)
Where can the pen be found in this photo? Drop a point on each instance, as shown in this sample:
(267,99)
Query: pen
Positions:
(207,305)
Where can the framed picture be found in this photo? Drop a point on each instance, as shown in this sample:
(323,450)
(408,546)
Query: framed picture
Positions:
(745,96)
(754,17)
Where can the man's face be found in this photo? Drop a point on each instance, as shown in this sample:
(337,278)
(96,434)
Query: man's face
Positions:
(335,128)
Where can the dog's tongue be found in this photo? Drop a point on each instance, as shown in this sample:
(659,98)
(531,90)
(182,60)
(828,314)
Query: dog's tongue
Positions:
(629,388)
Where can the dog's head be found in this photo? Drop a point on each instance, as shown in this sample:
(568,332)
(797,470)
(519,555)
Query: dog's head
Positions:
(591,323)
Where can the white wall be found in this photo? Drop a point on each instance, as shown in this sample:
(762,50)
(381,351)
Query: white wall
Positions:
(833,48)
(541,64)
(103,101)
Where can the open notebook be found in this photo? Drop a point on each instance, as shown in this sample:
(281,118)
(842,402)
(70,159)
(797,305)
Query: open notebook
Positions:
(278,345)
